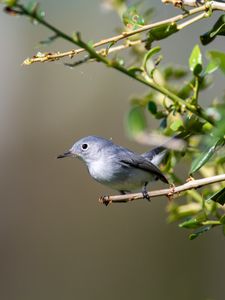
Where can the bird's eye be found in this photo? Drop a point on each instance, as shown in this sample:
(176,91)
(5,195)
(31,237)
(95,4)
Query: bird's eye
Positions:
(84,146)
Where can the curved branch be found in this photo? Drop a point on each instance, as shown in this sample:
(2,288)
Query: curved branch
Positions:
(170,193)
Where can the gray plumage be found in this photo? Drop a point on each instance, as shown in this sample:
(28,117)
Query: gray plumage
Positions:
(116,166)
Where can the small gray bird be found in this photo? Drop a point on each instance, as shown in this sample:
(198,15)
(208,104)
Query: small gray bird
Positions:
(117,167)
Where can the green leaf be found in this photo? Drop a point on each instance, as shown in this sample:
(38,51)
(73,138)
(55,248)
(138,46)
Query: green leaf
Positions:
(222,219)
(149,55)
(135,70)
(195,60)
(33,8)
(212,66)
(176,125)
(163,123)
(136,122)
(217,29)
(199,232)
(174,72)
(10,3)
(161,32)
(218,58)
(194,222)
(152,107)
(219,197)
(132,19)
(49,40)
(204,157)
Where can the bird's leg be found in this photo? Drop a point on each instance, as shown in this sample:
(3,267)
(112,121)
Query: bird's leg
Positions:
(145,192)
(122,192)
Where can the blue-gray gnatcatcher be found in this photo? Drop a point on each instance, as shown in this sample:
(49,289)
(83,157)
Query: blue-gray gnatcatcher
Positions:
(118,167)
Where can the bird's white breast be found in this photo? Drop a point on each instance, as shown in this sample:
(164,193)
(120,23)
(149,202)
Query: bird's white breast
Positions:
(116,177)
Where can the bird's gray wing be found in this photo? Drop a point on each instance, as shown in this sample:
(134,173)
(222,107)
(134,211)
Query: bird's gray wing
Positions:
(140,162)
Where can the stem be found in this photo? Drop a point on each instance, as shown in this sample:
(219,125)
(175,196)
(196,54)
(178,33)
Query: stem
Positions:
(191,21)
(114,39)
(165,192)
(93,54)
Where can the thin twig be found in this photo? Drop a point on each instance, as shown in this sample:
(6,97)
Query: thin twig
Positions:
(124,35)
(214,5)
(180,3)
(52,56)
(198,111)
(193,184)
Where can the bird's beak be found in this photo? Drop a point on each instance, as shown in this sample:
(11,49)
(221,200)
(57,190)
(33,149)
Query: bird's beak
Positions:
(65,154)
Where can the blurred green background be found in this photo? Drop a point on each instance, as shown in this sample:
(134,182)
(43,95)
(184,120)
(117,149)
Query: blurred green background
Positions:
(57,242)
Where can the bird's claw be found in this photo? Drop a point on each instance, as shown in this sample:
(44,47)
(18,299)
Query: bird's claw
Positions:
(146,195)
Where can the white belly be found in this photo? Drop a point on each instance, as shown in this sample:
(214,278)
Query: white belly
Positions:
(118,178)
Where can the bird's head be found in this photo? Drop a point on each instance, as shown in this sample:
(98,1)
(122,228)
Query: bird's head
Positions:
(87,149)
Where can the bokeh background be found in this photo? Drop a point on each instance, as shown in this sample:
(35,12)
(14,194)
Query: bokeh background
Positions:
(56,241)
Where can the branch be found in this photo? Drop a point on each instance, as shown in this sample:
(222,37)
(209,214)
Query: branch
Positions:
(193,184)
(52,56)
(198,111)
(44,57)
(124,35)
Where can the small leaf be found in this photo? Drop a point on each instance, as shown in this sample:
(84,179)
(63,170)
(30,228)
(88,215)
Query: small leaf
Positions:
(176,125)
(218,58)
(149,55)
(10,3)
(217,29)
(163,123)
(212,66)
(33,8)
(199,232)
(136,121)
(49,40)
(161,32)
(132,19)
(204,157)
(195,60)
(174,72)
(135,70)
(219,197)
(222,219)
(194,222)
(152,107)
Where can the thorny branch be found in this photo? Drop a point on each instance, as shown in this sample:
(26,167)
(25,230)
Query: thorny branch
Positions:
(170,192)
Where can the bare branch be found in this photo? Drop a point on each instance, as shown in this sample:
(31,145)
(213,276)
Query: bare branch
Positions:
(214,5)
(53,56)
(44,57)
(180,3)
(170,193)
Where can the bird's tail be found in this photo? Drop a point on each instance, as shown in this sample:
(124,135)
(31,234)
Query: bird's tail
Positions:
(157,154)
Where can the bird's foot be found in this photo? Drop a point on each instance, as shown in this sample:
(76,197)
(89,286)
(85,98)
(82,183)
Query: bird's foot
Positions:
(145,194)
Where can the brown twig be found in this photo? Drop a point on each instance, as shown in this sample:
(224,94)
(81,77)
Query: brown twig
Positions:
(53,56)
(214,5)
(170,192)
(44,57)
(180,3)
